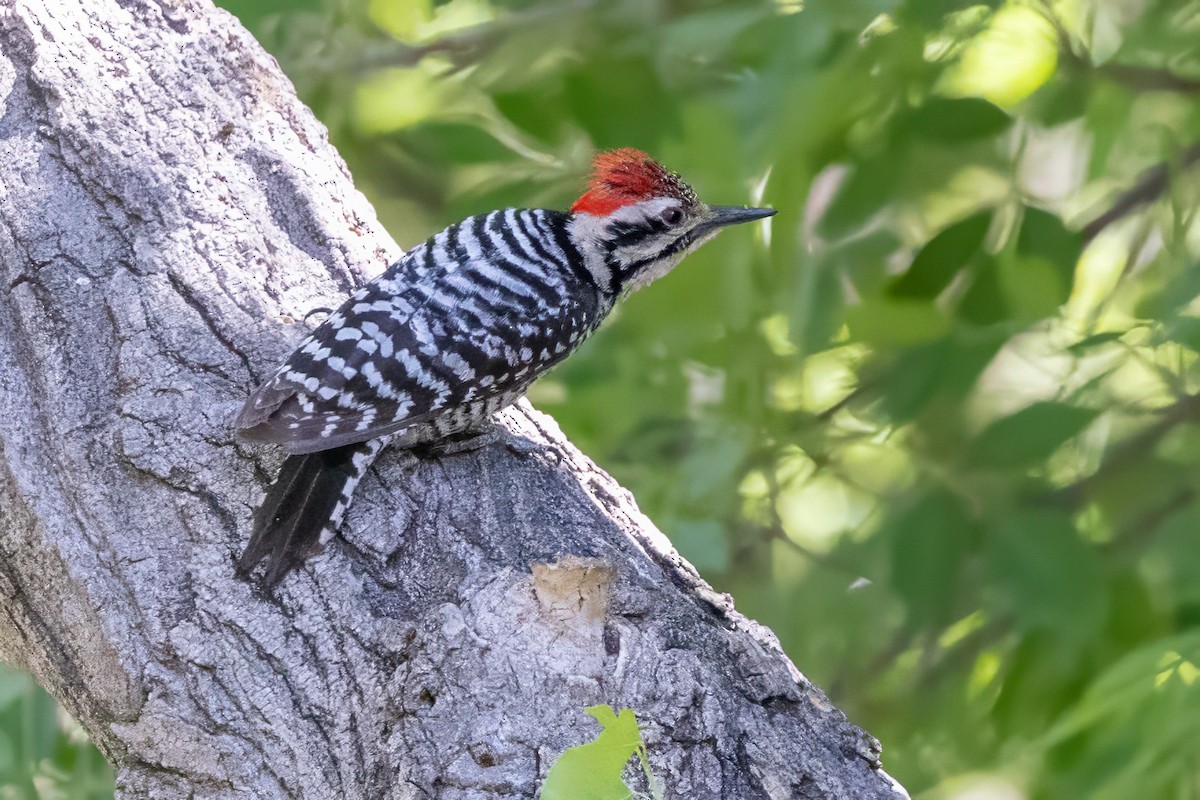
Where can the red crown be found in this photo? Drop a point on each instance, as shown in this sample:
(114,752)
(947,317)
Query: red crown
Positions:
(626,176)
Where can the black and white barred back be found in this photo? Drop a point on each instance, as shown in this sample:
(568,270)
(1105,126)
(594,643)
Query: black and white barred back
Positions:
(452,332)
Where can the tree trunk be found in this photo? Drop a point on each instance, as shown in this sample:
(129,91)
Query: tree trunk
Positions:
(169,212)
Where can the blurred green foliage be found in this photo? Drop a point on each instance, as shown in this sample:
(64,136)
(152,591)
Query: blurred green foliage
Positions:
(44,754)
(938,422)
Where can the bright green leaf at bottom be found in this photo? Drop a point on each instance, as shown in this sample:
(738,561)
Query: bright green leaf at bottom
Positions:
(593,771)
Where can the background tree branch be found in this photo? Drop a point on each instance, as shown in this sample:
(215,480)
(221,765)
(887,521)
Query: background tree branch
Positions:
(168,210)
(1151,185)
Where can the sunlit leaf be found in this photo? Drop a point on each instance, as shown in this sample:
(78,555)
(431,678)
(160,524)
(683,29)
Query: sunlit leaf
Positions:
(397,98)
(1032,287)
(1009,61)
(592,771)
(1145,706)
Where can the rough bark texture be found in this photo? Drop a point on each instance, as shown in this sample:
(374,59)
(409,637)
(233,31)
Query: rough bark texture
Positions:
(168,209)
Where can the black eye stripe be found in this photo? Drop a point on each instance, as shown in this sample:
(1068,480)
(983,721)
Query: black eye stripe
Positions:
(624,234)
(623,272)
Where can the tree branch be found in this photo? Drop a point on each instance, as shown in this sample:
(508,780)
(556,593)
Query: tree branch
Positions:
(1129,452)
(167,209)
(1150,79)
(1151,186)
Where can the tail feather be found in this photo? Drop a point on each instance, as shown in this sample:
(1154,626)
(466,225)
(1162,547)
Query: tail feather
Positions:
(304,505)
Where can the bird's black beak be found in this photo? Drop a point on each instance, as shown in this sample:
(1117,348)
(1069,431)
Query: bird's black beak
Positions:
(733,215)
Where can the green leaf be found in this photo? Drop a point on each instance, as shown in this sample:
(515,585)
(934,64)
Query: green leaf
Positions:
(984,303)
(593,771)
(1032,287)
(1029,436)
(536,109)
(1044,575)
(948,367)
(1007,62)
(1044,236)
(1185,330)
(438,141)
(598,97)
(929,542)
(895,323)
(1063,99)
(915,376)
(1135,679)
(401,20)
(951,120)
(942,257)
(862,195)
(1175,555)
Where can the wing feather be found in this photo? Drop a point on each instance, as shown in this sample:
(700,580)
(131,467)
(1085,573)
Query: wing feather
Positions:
(416,343)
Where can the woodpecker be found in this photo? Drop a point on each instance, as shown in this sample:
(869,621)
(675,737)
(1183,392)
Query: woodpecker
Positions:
(454,331)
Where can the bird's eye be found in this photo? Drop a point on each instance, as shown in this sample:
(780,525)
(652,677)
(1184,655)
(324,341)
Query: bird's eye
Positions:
(672,215)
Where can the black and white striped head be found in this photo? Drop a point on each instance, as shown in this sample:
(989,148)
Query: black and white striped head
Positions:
(637,220)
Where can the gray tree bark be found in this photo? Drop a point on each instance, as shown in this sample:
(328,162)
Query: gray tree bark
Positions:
(168,212)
